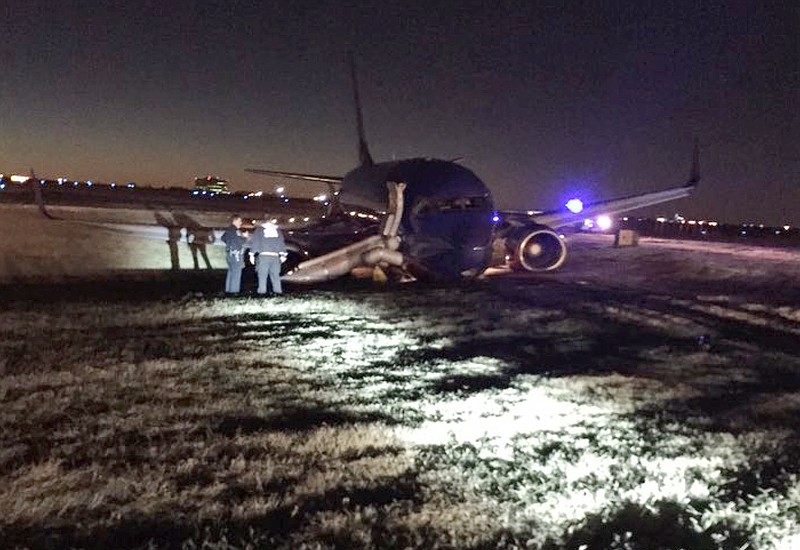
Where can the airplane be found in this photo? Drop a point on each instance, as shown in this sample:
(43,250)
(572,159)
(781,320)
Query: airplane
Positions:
(438,220)
(417,218)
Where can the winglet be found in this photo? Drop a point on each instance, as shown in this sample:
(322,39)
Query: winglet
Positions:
(694,175)
(363,151)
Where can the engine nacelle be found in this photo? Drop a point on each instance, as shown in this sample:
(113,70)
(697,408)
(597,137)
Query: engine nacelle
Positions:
(535,248)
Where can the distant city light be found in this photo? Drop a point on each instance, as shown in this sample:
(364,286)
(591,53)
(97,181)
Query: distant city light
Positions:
(575,206)
(279,190)
(89,183)
(19,179)
(661,220)
(291,220)
(604,222)
(2,186)
(305,219)
(712,224)
(321,198)
(496,218)
(786,227)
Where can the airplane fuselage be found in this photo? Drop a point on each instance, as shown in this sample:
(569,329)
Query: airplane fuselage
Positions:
(447,225)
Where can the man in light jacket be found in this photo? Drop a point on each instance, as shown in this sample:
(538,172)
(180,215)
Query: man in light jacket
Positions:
(267,241)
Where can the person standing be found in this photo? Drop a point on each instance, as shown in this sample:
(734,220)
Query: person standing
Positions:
(234,240)
(267,241)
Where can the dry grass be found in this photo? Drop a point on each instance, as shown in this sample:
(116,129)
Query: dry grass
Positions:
(333,419)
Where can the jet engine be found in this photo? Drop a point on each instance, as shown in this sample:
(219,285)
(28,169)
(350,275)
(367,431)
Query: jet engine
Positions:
(535,248)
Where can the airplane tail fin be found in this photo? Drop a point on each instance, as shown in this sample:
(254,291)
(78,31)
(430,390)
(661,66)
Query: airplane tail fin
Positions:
(365,159)
(694,175)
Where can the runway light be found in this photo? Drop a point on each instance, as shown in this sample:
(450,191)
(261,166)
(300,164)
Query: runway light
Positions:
(291,220)
(305,219)
(2,186)
(575,206)
(661,220)
(604,222)
(786,227)
(279,190)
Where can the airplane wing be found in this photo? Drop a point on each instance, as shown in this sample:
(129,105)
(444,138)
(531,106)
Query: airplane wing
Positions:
(295,175)
(564,216)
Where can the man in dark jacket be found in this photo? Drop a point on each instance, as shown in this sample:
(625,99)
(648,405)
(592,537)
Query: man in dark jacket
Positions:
(267,241)
(234,240)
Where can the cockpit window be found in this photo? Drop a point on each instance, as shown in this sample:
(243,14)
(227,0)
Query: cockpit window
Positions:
(456,204)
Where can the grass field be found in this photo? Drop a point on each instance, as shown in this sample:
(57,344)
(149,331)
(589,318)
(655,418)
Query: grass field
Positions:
(514,413)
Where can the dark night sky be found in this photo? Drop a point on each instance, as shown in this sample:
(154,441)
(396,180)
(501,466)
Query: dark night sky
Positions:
(542,99)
